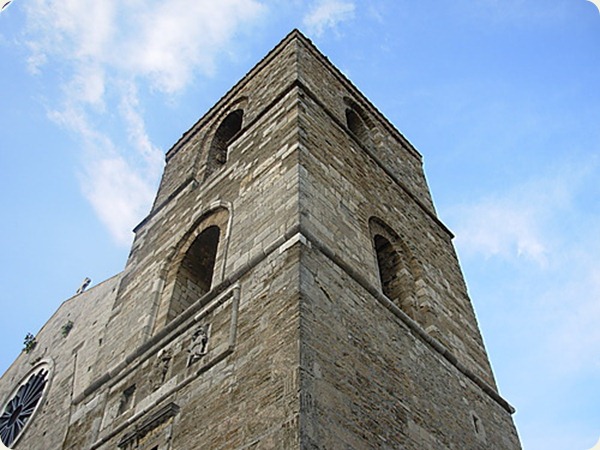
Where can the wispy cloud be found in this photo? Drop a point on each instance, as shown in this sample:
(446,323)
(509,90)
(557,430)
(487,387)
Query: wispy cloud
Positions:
(105,53)
(528,220)
(119,194)
(512,224)
(542,221)
(328,14)
(503,227)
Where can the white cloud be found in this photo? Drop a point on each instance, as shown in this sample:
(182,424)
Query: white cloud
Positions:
(521,222)
(497,227)
(106,52)
(150,157)
(118,184)
(161,41)
(87,86)
(328,14)
(118,193)
(172,39)
(550,221)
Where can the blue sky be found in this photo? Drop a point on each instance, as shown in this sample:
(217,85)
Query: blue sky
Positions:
(501,98)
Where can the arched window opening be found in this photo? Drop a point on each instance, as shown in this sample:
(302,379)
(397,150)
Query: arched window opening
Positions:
(195,274)
(388,261)
(394,274)
(217,153)
(357,126)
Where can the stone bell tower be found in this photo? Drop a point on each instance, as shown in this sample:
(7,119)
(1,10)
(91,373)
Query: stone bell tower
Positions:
(291,288)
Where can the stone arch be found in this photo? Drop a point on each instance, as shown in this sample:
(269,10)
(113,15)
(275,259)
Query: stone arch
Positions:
(194,276)
(358,122)
(196,264)
(397,268)
(228,128)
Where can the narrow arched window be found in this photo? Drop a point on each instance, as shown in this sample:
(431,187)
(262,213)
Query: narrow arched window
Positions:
(357,126)
(217,153)
(389,263)
(195,274)
(396,278)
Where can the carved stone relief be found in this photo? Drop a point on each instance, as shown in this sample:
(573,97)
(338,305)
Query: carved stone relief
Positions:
(161,368)
(198,346)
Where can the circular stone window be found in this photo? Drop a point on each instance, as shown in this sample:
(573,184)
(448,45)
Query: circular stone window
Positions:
(22,404)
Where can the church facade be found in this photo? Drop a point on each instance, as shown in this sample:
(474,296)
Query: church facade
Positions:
(291,288)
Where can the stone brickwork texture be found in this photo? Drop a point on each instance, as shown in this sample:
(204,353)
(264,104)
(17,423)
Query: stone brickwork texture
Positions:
(252,312)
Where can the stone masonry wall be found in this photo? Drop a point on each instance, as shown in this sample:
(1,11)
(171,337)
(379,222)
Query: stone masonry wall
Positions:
(332,89)
(70,357)
(367,381)
(185,159)
(243,392)
(258,187)
(342,188)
